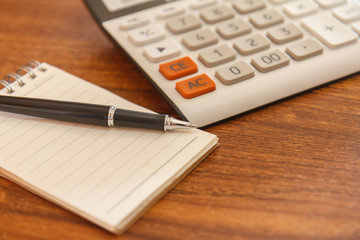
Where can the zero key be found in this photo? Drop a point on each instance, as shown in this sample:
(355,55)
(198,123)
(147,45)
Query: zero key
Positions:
(195,86)
(178,68)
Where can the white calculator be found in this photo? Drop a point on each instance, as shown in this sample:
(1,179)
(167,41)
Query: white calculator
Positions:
(214,59)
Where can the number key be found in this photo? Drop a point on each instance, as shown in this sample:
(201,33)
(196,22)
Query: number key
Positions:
(233,29)
(266,62)
(217,55)
(216,14)
(285,33)
(247,6)
(235,73)
(199,39)
(266,18)
(252,44)
(183,24)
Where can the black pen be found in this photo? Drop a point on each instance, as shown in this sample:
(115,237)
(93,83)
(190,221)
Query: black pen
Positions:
(102,115)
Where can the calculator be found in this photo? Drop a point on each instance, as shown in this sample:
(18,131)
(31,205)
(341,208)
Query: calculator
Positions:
(214,59)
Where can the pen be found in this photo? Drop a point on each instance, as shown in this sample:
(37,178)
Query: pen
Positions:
(102,115)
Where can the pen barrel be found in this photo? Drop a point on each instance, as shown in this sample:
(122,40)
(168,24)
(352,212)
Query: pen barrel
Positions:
(128,118)
(57,110)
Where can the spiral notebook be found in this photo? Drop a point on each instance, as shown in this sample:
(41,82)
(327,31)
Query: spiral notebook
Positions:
(109,176)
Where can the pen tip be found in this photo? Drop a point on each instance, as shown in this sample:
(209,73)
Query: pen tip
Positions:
(172,123)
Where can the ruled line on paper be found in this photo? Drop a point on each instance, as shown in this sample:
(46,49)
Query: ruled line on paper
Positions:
(107,161)
(137,169)
(68,144)
(64,147)
(53,88)
(67,160)
(37,86)
(147,178)
(38,150)
(83,149)
(40,121)
(119,167)
(26,118)
(59,150)
(25,144)
(99,152)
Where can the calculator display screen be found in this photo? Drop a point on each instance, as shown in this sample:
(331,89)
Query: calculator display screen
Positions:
(115,5)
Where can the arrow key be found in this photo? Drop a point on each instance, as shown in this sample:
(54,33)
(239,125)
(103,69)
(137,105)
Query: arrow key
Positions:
(162,50)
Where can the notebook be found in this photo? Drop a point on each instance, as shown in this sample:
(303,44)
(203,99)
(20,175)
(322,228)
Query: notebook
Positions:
(109,176)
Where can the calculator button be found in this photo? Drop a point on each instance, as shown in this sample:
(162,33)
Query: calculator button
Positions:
(329,30)
(279,1)
(146,35)
(216,14)
(300,8)
(246,6)
(356,27)
(178,68)
(251,44)
(266,18)
(330,3)
(304,49)
(285,33)
(217,55)
(235,73)
(133,22)
(271,60)
(196,4)
(195,86)
(169,11)
(348,13)
(233,29)
(162,50)
(183,24)
(199,39)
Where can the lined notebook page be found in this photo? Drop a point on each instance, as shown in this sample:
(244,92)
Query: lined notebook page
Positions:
(108,175)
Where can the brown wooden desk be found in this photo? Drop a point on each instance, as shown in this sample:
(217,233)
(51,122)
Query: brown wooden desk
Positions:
(290,170)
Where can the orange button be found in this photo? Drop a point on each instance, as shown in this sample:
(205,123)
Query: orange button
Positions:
(178,68)
(195,86)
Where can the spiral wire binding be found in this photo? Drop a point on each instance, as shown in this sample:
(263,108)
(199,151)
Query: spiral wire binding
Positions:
(20,72)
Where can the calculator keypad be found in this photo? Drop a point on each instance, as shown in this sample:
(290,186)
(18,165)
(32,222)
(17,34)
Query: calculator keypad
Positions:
(237,40)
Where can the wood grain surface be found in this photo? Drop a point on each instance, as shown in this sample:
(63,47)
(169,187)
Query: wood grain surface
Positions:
(290,170)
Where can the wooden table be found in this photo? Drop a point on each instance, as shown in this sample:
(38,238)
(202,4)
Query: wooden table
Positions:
(290,170)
